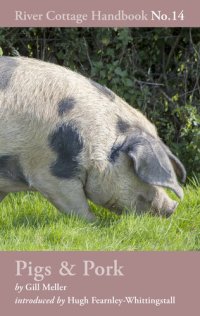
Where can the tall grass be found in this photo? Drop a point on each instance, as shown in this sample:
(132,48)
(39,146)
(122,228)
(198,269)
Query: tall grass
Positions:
(29,222)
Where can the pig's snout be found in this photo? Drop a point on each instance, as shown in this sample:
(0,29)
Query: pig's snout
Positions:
(167,212)
(163,205)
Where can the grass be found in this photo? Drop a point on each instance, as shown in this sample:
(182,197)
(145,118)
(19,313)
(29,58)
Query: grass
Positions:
(29,222)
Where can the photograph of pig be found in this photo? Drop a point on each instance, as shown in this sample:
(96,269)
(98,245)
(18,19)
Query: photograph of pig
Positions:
(74,140)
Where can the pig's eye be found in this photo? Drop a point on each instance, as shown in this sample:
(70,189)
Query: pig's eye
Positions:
(143,199)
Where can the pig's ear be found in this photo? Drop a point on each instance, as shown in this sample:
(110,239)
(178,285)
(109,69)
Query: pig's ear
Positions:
(178,166)
(152,163)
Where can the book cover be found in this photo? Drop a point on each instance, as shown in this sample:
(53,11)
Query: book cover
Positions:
(99,157)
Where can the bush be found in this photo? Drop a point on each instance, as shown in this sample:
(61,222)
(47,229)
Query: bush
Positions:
(156,70)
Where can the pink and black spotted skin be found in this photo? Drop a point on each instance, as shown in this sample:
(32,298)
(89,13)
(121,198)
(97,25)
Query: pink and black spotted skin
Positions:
(74,140)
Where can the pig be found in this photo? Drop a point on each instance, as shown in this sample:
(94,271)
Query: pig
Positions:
(74,140)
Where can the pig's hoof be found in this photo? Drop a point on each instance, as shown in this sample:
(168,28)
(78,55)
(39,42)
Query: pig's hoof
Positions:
(91,217)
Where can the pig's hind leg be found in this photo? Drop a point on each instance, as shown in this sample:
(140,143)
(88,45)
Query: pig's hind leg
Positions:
(2,195)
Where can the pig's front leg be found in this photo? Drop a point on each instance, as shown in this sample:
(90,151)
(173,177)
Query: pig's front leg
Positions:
(67,195)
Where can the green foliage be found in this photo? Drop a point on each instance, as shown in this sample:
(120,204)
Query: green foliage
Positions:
(156,70)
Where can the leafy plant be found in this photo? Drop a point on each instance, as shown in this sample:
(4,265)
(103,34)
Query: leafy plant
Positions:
(156,70)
